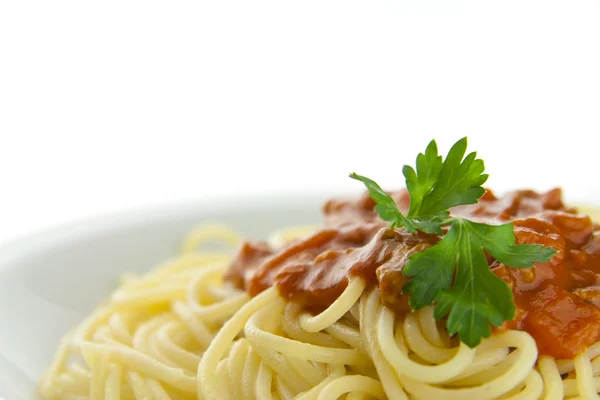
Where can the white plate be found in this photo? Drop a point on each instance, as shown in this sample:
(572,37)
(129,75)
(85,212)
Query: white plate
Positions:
(51,280)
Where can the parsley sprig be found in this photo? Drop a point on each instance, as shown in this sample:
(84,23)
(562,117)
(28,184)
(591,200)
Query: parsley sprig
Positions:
(454,274)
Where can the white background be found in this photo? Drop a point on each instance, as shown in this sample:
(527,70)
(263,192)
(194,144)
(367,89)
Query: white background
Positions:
(112,105)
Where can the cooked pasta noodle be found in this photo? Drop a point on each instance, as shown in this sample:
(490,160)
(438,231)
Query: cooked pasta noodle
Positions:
(180,332)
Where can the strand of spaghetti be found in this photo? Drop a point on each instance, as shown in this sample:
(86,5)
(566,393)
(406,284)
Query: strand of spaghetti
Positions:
(352,383)
(293,348)
(488,374)
(348,335)
(158,392)
(283,390)
(250,374)
(484,360)
(281,367)
(141,339)
(138,385)
(179,356)
(335,371)
(70,385)
(596,366)
(309,373)
(64,385)
(119,329)
(354,313)
(421,346)
(98,362)
(321,367)
(399,335)
(158,352)
(356,396)
(403,365)
(336,310)
(218,310)
(201,333)
(178,396)
(135,284)
(264,380)
(177,333)
(585,378)
(368,309)
(77,371)
(534,387)
(127,393)
(147,365)
(235,366)
(491,389)
(86,329)
(104,333)
(222,380)
(112,387)
(291,327)
(570,385)
(221,293)
(103,337)
(552,382)
(58,363)
(517,390)
(151,296)
(430,329)
(207,369)
(366,370)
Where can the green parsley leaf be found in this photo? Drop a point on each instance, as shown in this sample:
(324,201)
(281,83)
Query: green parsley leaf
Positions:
(436,187)
(431,224)
(420,183)
(432,271)
(455,276)
(499,241)
(386,206)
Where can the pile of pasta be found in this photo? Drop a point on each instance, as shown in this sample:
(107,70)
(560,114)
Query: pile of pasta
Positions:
(181,332)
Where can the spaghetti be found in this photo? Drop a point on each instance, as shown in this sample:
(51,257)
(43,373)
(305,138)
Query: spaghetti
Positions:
(183,331)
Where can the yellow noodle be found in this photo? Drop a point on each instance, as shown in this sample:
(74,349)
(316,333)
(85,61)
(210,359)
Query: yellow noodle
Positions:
(112,387)
(264,380)
(250,374)
(348,384)
(553,386)
(337,310)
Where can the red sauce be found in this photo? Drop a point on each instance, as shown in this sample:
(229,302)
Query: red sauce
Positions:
(557,302)
(562,324)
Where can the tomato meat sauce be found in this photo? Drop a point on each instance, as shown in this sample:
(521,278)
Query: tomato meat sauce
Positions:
(558,302)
